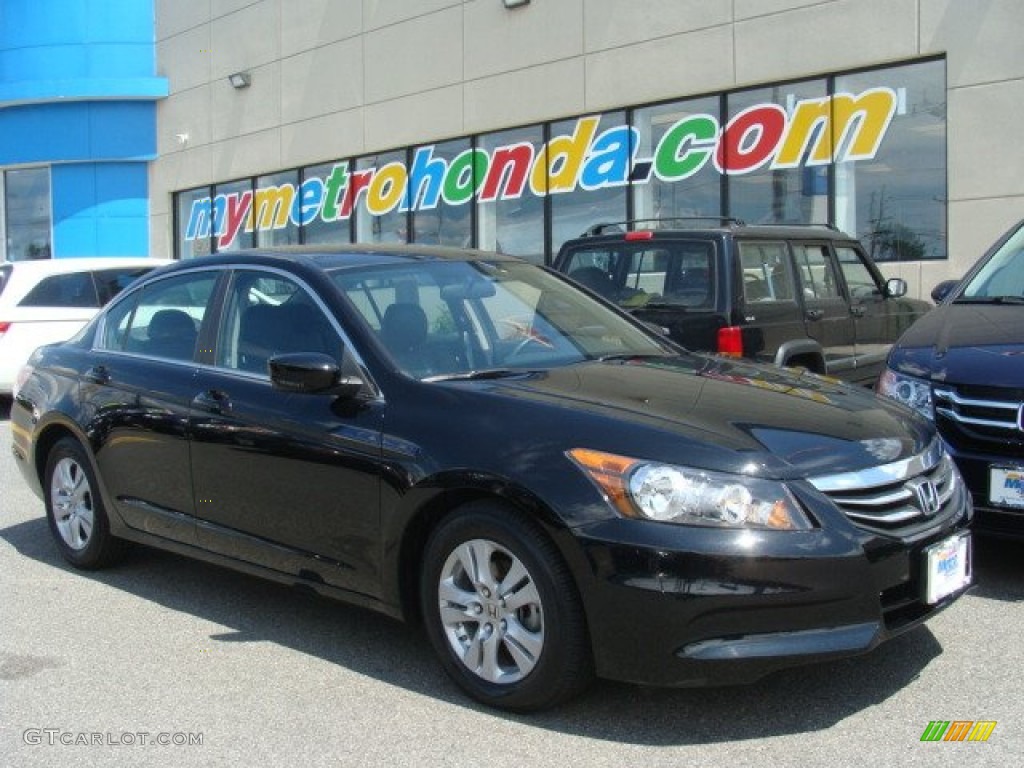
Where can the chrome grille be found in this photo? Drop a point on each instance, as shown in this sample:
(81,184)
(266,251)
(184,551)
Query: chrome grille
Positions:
(975,412)
(901,497)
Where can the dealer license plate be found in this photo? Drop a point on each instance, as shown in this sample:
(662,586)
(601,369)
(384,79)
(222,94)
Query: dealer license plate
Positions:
(947,567)
(1006,486)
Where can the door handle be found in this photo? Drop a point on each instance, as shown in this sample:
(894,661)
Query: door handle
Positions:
(98,374)
(858,311)
(212,401)
(814,314)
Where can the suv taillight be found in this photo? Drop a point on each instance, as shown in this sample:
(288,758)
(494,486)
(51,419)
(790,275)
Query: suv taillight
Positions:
(730,341)
(3,327)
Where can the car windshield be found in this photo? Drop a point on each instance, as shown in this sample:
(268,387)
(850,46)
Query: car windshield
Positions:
(1002,277)
(461,319)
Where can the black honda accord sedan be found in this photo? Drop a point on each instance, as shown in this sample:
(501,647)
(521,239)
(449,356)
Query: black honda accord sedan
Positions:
(471,441)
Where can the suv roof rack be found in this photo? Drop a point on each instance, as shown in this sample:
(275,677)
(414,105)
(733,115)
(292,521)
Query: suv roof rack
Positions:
(623,226)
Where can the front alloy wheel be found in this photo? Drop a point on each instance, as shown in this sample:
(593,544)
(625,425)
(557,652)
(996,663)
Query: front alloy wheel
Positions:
(502,611)
(491,611)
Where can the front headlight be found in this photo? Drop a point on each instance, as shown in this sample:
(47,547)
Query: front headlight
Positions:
(913,392)
(688,496)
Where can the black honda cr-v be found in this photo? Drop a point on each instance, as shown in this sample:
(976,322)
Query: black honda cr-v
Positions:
(962,365)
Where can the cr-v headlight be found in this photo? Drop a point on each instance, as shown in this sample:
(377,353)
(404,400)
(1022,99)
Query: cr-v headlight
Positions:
(909,390)
(688,496)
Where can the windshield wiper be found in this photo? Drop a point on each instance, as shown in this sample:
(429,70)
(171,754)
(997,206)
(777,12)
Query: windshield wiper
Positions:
(483,373)
(627,356)
(990,300)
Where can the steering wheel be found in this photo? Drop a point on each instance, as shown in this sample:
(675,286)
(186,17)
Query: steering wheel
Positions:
(523,345)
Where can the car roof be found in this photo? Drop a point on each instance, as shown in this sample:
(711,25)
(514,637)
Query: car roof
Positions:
(332,257)
(82,264)
(664,229)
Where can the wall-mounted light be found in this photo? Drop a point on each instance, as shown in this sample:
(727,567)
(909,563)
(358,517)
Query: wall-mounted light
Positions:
(240,80)
(515,3)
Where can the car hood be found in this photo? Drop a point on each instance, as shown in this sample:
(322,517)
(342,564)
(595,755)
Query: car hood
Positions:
(717,414)
(965,344)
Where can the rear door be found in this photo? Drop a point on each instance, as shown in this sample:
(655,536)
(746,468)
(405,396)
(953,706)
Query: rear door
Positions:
(139,391)
(827,317)
(771,314)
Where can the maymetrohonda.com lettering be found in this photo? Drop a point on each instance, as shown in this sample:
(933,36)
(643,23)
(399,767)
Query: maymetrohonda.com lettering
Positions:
(838,128)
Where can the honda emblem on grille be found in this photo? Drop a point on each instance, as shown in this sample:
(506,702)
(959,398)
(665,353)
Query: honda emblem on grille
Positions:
(926,495)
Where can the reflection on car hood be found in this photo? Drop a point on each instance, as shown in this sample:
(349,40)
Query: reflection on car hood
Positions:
(718,413)
(966,344)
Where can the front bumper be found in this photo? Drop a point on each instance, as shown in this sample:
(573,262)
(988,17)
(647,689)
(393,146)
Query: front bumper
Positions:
(990,519)
(720,607)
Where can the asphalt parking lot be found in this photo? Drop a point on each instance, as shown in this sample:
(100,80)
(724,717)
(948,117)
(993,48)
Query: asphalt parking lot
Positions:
(96,668)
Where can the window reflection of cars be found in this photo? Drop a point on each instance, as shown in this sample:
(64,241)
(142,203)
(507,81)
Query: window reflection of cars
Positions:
(474,443)
(962,366)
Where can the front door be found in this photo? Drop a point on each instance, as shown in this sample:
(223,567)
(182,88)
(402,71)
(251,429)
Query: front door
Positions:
(287,481)
(827,315)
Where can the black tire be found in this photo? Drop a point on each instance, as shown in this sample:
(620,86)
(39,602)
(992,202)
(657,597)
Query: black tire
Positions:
(528,653)
(75,511)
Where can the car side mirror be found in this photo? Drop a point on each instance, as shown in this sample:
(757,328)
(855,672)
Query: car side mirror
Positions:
(895,287)
(942,290)
(311,373)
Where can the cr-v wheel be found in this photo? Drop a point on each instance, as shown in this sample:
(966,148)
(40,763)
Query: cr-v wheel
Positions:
(501,610)
(74,508)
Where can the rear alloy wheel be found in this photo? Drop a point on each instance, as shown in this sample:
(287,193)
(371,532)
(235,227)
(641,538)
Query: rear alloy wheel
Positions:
(75,511)
(501,610)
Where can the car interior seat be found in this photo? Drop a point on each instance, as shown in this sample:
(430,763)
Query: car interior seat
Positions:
(404,330)
(172,333)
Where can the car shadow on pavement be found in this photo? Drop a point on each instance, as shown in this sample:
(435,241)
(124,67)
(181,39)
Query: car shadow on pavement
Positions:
(379,647)
(997,569)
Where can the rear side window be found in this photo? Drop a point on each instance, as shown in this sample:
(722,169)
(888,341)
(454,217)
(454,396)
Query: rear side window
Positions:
(75,289)
(110,282)
(667,272)
(767,275)
(163,319)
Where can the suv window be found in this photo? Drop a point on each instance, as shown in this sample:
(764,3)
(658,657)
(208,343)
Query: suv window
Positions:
(677,272)
(817,273)
(74,289)
(110,282)
(860,282)
(767,275)
(163,319)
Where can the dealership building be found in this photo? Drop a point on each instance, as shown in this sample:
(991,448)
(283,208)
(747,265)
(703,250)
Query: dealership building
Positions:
(512,126)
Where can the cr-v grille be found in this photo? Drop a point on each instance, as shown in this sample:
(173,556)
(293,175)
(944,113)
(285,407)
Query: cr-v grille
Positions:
(900,498)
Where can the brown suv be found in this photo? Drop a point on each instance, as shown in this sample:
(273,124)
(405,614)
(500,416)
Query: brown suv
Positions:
(791,295)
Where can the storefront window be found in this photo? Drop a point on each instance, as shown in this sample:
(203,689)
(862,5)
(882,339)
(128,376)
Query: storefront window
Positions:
(437,219)
(574,212)
(324,225)
(682,183)
(26,206)
(231,232)
(379,189)
(273,204)
(895,203)
(195,223)
(764,195)
(510,213)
